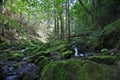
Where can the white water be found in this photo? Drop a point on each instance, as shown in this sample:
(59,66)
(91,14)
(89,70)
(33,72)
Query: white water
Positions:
(76,51)
(82,55)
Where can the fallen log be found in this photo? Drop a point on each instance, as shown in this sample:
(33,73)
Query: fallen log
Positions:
(82,34)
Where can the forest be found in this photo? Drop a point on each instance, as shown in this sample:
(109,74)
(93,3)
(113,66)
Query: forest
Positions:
(59,39)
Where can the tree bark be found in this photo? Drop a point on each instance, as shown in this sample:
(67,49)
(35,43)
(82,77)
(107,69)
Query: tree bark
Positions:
(86,33)
(66,28)
(61,23)
(57,26)
(3,27)
(68,21)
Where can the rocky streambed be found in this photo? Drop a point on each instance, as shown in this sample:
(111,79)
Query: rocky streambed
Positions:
(14,70)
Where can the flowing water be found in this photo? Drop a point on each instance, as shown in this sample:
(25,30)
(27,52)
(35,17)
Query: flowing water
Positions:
(16,70)
(76,51)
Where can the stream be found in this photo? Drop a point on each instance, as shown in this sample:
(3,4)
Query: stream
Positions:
(78,54)
(18,70)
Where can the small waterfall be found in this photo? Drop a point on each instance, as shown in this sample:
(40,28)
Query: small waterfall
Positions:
(23,50)
(75,48)
(76,51)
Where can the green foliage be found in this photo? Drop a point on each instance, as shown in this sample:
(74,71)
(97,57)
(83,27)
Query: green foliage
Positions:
(110,38)
(67,54)
(14,55)
(93,39)
(41,61)
(104,51)
(60,48)
(77,70)
(11,55)
(109,60)
(114,26)
(37,55)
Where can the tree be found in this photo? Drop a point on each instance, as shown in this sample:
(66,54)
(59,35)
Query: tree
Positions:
(2,12)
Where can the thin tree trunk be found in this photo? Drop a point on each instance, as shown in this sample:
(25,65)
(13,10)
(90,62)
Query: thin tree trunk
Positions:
(66,30)
(11,16)
(68,22)
(61,23)
(57,26)
(3,27)
(28,26)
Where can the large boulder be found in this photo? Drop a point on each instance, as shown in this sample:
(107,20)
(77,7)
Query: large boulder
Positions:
(78,70)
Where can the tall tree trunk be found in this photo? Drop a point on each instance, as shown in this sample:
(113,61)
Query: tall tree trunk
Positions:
(61,23)
(66,9)
(68,22)
(1,4)
(3,27)
(57,26)
(10,20)
(28,26)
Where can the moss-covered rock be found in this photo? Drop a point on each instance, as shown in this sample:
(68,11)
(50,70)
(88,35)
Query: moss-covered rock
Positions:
(36,56)
(11,55)
(77,70)
(14,55)
(109,60)
(66,54)
(41,62)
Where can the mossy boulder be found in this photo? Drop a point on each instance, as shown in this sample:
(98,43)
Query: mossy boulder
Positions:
(59,48)
(42,61)
(77,70)
(11,55)
(36,56)
(67,54)
(109,60)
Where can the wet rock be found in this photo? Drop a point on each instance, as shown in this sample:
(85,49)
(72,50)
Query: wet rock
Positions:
(13,77)
(18,71)
(55,56)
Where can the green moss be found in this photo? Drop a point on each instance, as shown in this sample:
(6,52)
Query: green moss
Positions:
(77,70)
(59,48)
(113,26)
(66,54)
(36,56)
(42,61)
(14,55)
(109,60)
